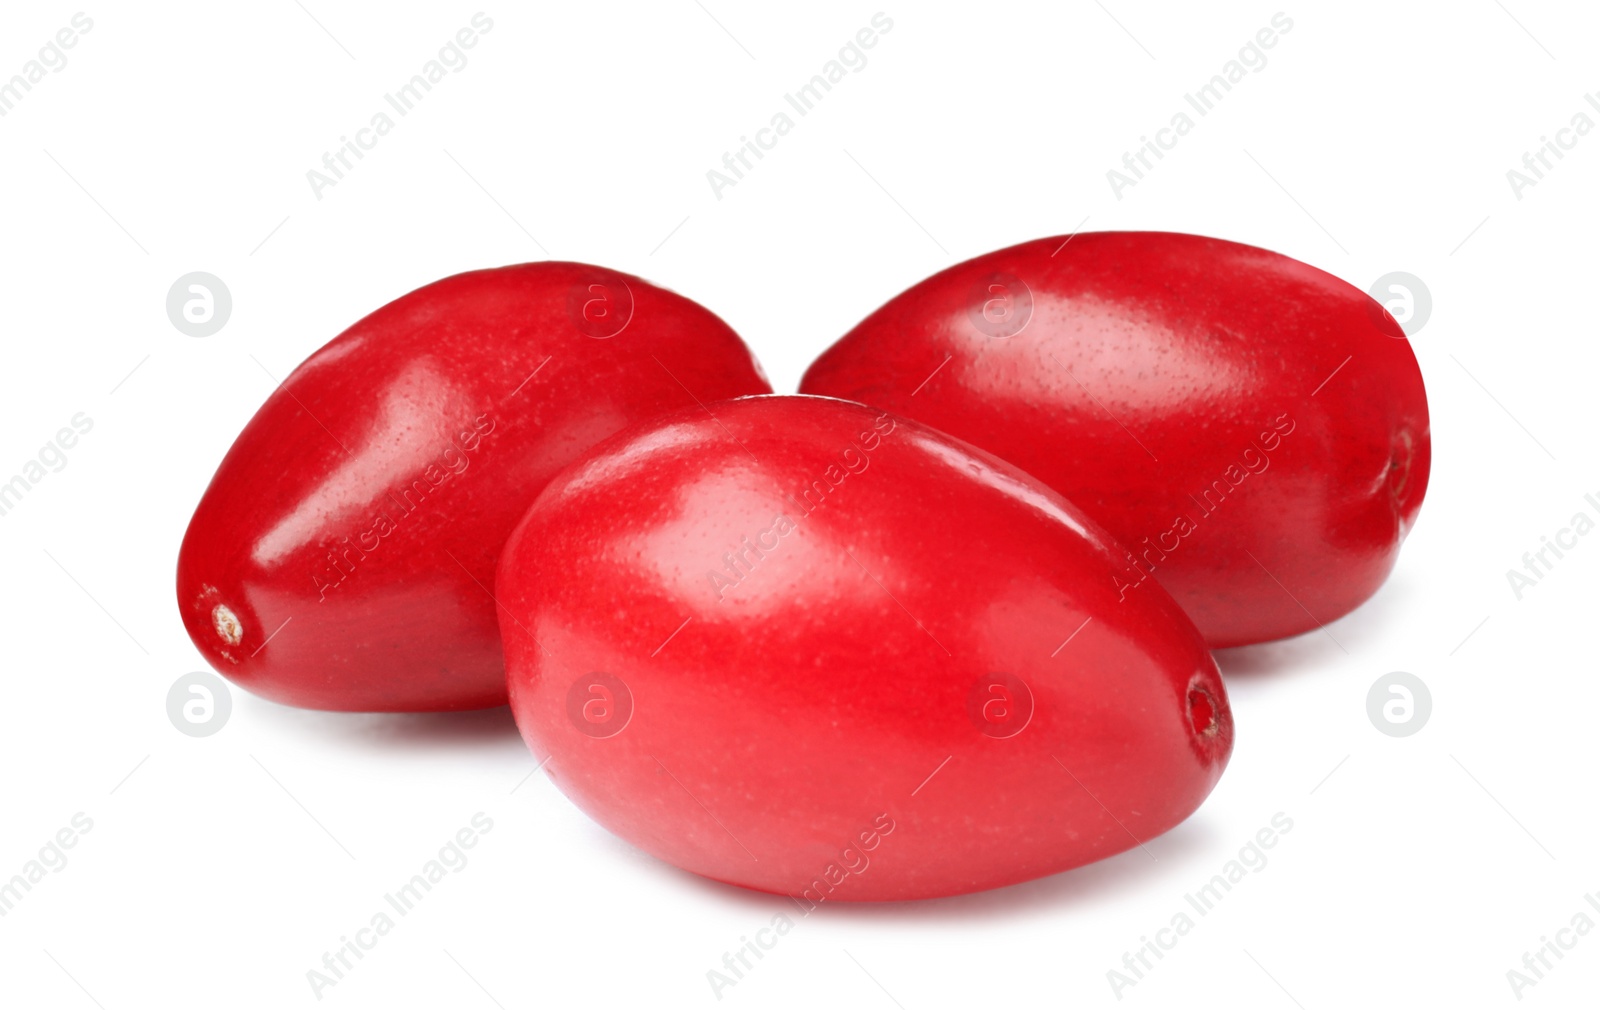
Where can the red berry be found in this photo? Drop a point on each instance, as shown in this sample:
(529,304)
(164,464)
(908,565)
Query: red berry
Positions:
(1253,430)
(801,645)
(343,555)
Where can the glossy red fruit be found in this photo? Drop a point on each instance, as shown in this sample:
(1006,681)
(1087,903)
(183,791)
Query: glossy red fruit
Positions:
(799,645)
(1253,430)
(343,555)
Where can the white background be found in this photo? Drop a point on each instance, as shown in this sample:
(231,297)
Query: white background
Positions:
(218,870)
